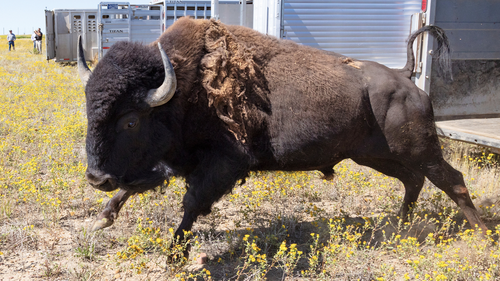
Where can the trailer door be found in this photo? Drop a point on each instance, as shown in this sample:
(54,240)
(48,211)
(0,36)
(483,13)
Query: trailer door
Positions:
(467,108)
(90,34)
(77,28)
(122,21)
(473,30)
(63,44)
(114,25)
(50,41)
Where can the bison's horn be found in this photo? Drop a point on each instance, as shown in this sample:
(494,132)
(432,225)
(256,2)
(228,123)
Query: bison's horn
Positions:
(162,95)
(83,69)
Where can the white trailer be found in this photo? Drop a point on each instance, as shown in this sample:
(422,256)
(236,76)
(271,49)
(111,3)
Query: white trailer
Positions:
(62,30)
(122,21)
(100,28)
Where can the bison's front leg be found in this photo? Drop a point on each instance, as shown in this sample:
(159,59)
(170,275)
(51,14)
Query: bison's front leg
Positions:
(190,216)
(215,176)
(110,212)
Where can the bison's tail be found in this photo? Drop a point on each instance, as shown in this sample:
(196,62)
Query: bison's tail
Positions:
(442,52)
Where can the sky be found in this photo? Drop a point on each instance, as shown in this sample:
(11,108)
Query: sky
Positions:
(24,16)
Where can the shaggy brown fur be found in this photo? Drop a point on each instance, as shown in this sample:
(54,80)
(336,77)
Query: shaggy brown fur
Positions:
(231,69)
(228,70)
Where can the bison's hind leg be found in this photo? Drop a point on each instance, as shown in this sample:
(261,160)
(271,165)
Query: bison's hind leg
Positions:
(412,180)
(328,171)
(451,181)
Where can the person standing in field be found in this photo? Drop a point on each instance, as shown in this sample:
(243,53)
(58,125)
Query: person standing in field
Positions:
(33,38)
(39,36)
(11,37)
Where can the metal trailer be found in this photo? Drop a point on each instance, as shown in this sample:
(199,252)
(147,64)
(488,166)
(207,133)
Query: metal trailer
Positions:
(467,108)
(62,30)
(100,28)
(122,21)
(230,12)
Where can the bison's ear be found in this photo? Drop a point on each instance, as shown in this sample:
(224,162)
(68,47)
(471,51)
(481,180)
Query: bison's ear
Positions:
(83,70)
(162,95)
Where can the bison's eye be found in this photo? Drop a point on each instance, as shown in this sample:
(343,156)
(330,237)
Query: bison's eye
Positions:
(131,123)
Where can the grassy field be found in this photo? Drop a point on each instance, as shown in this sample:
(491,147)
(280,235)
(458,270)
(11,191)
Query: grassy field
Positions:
(277,226)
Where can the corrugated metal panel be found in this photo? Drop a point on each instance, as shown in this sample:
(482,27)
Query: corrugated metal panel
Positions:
(363,29)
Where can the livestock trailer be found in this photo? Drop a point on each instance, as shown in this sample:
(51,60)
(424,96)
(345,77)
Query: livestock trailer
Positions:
(62,30)
(100,28)
(121,21)
(118,21)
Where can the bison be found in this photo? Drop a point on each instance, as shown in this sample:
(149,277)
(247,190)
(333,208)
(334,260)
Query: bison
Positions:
(216,102)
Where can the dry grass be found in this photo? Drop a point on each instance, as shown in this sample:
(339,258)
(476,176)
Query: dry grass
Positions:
(279,226)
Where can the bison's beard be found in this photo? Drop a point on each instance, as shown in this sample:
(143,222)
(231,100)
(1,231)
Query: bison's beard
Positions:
(148,180)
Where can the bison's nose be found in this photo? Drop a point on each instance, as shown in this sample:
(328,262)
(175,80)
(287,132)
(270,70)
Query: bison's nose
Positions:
(100,181)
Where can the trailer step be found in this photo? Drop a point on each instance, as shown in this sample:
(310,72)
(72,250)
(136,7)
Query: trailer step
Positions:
(482,131)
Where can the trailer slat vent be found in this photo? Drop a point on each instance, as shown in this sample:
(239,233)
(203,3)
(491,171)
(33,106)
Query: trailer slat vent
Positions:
(197,10)
(91,23)
(77,23)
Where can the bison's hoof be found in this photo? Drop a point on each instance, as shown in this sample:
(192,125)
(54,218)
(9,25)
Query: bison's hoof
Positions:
(102,223)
